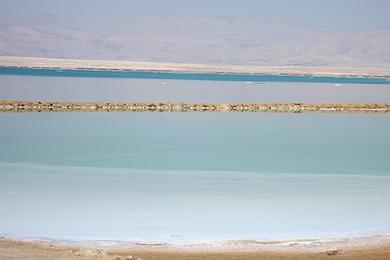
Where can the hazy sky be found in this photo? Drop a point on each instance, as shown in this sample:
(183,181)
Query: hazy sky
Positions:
(343,14)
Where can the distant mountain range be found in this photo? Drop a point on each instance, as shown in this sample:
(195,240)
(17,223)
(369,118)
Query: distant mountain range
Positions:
(198,39)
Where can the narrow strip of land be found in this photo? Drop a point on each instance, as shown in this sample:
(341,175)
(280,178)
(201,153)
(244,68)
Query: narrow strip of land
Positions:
(49,63)
(57,106)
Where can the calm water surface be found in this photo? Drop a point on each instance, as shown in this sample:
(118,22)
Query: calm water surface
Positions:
(169,90)
(93,73)
(176,176)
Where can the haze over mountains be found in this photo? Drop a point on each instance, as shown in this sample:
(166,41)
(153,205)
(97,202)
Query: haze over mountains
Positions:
(197,39)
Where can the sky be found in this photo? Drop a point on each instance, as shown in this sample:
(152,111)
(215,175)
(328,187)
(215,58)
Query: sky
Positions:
(341,14)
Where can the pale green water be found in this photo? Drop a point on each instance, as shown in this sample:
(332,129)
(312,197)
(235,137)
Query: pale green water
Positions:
(195,175)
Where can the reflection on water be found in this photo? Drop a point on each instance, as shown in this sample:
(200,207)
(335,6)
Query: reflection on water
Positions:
(155,90)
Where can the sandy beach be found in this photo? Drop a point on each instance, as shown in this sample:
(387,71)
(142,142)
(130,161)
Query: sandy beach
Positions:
(374,248)
(30,62)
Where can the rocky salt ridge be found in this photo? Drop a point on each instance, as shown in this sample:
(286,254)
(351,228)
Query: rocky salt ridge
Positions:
(55,106)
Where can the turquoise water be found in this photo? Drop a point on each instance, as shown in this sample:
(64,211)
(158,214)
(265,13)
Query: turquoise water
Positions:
(187,176)
(188,76)
(177,176)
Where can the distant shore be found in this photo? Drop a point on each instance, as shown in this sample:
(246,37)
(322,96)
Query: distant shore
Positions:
(362,249)
(56,106)
(78,64)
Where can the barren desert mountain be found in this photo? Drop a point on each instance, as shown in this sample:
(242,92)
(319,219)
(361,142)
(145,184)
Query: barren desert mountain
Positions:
(197,39)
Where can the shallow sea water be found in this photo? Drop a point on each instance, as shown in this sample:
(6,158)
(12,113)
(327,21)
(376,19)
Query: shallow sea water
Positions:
(192,176)
(170,90)
(188,176)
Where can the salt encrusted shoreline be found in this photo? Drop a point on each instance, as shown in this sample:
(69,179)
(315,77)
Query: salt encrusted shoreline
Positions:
(58,106)
(50,63)
(303,245)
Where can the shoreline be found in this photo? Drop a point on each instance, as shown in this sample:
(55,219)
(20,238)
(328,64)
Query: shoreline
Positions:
(63,106)
(375,247)
(78,64)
